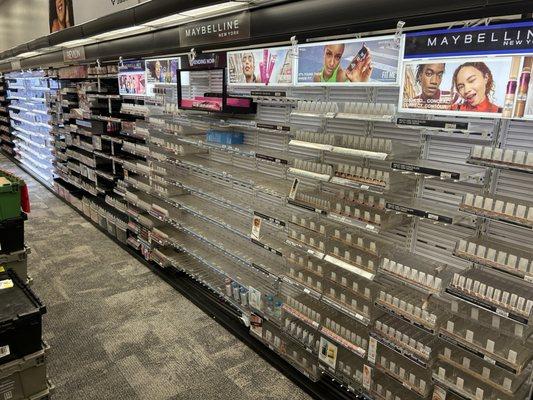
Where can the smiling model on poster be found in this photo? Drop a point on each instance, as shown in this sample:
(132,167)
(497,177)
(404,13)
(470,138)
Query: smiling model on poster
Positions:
(475,84)
(359,70)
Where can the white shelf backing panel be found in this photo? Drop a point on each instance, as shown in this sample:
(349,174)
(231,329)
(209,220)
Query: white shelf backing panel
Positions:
(273,114)
(518,136)
(437,241)
(449,151)
(516,185)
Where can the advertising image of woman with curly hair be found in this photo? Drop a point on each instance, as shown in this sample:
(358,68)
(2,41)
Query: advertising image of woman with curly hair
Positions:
(474,83)
(61,15)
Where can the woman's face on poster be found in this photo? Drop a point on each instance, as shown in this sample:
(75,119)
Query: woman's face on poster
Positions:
(472,85)
(60,9)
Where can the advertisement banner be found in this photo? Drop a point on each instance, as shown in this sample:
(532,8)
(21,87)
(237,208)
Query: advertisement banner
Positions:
(60,15)
(66,13)
(161,71)
(372,61)
(469,71)
(260,67)
(215,30)
(131,78)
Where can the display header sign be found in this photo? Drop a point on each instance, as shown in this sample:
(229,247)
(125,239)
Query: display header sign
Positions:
(370,61)
(74,54)
(204,61)
(216,30)
(497,39)
(131,78)
(271,66)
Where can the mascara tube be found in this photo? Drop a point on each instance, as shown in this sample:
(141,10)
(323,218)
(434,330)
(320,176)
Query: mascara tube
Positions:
(523,88)
(512,85)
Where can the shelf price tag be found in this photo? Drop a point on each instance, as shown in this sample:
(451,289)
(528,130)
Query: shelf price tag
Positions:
(294,188)
(372,349)
(367,376)
(256,227)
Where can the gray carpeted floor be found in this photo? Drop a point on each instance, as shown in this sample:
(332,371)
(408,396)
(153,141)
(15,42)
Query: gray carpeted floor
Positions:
(117,331)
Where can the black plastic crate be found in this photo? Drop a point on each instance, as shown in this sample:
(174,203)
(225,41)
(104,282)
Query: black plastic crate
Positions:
(20,318)
(12,234)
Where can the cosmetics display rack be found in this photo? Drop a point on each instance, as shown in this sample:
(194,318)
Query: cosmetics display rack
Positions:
(6,137)
(28,94)
(387,259)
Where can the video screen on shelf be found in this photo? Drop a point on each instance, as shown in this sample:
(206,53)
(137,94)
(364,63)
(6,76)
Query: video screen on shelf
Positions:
(131,78)
(161,71)
(271,66)
(203,90)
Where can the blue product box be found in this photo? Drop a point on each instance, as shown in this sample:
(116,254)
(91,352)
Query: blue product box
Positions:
(222,137)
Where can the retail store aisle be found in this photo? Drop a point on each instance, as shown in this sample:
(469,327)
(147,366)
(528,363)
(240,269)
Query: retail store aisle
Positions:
(117,331)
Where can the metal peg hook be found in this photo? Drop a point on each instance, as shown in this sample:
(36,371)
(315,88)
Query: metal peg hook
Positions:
(294,46)
(192,55)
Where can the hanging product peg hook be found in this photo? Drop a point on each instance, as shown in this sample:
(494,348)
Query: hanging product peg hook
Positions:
(294,46)
(120,62)
(399,33)
(98,63)
(192,55)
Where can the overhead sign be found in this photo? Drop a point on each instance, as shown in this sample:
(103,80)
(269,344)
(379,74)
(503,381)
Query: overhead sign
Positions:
(371,61)
(478,71)
(74,54)
(496,39)
(215,30)
(204,61)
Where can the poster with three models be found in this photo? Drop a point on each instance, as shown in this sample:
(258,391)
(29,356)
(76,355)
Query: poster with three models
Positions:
(477,71)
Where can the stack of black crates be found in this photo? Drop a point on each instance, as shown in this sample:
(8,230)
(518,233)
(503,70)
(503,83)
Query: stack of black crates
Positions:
(22,351)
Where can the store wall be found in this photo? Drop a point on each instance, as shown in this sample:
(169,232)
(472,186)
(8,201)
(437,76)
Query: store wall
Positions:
(22,21)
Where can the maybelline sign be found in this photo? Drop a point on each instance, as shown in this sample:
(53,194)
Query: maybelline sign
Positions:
(513,38)
(215,30)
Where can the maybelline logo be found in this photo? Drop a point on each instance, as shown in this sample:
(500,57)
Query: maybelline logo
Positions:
(502,38)
(117,2)
(220,28)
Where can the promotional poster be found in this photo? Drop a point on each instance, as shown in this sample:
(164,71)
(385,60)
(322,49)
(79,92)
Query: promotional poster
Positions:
(131,78)
(61,15)
(458,86)
(161,71)
(362,62)
(474,71)
(260,67)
